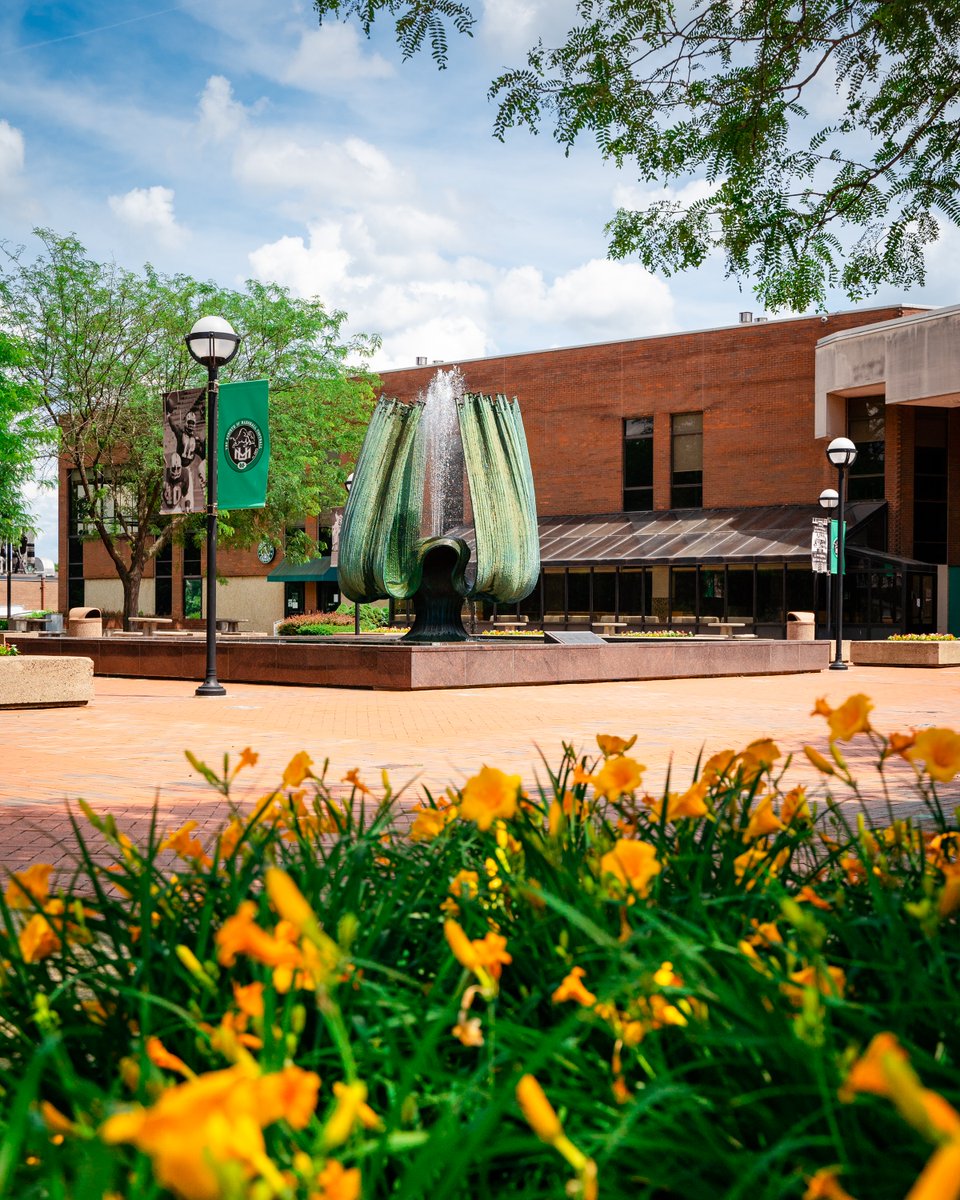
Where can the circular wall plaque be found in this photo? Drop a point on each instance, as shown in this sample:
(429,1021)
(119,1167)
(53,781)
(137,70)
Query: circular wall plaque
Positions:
(266,552)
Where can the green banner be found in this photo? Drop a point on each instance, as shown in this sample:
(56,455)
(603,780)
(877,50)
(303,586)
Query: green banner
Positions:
(835,546)
(243,453)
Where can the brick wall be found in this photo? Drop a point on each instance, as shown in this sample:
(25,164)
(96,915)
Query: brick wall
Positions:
(753,384)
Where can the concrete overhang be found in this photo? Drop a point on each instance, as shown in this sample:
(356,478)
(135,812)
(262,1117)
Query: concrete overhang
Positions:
(909,360)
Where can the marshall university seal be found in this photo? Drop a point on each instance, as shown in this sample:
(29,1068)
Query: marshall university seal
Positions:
(243,444)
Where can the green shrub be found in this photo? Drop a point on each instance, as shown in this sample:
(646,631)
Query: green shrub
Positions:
(338,988)
(8,651)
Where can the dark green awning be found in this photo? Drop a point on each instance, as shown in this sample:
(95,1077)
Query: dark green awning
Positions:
(314,570)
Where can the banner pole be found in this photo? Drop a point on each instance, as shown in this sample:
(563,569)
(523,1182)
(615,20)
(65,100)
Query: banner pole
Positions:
(211,686)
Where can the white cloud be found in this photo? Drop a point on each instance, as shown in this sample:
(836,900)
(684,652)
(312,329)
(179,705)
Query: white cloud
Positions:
(12,154)
(512,27)
(638,196)
(221,116)
(149,210)
(333,54)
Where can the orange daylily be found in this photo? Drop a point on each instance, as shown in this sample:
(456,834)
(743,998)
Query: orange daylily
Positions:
(632,863)
(29,888)
(610,744)
(573,988)
(618,775)
(488,796)
(939,751)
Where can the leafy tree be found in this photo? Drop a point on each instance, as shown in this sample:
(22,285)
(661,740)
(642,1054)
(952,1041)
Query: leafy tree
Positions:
(734,92)
(22,438)
(102,344)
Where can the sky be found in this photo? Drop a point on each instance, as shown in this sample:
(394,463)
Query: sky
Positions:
(236,139)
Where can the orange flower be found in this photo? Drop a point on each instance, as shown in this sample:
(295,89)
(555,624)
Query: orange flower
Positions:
(899,742)
(337,1182)
(290,1095)
(720,765)
(37,939)
(29,888)
(939,750)
(689,804)
(185,845)
(852,717)
(581,777)
(632,863)
(824,1186)
(940,1178)
(353,778)
(538,1110)
(161,1057)
(794,809)
(351,1110)
(430,822)
(468,1031)
(870,1072)
(297,770)
(618,775)
(610,744)
(822,764)
(758,757)
(489,795)
(763,820)
(828,982)
(756,862)
(573,988)
(240,934)
(288,900)
(808,895)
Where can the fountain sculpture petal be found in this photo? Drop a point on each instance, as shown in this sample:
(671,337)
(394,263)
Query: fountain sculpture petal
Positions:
(382,552)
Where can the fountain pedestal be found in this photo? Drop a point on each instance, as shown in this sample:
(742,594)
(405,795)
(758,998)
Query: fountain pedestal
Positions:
(438,601)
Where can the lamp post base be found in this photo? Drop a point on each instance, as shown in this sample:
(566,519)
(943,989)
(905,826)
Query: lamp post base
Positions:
(210,687)
(838,666)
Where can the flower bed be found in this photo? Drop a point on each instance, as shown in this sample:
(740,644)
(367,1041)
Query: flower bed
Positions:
(728,990)
(909,651)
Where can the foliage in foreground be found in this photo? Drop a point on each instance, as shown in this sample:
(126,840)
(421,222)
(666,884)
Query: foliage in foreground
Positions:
(730,990)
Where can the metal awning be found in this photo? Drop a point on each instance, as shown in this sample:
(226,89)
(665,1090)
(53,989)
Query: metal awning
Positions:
(314,570)
(687,536)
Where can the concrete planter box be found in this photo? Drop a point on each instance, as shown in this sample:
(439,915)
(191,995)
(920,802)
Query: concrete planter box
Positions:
(28,681)
(905,654)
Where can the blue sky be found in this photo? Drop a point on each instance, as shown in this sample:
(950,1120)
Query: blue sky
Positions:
(238,139)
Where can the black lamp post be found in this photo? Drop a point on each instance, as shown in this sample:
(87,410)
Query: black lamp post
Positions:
(843,454)
(829,500)
(213,343)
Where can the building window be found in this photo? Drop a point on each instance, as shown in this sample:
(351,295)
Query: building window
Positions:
(865,428)
(930,486)
(163,581)
(294,598)
(686,489)
(192,580)
(638,464)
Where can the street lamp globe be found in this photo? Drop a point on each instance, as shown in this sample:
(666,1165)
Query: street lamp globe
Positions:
(213,341)
(829,498)
(842,452)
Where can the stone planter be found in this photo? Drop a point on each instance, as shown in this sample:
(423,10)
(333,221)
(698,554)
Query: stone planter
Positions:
(905,654)
(31,681)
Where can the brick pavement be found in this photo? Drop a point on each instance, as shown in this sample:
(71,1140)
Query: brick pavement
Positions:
(124,751)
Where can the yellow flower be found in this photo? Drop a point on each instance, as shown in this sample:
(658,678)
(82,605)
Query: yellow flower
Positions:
(573,988)
(184,844)
(429,822)
(758,757)
(297,770)
(850,718)
(351,1110)
(37,939)
(632,863)
(249,999)
(720,765)
(209,1122)
(29,888)
(757,861)
(465,885)
(795,809)
(688,804)
(288,900)
(230,837)
(763,820)
(940,1178)
(822,764)
(489,795)
(618,775)
(610,744)
(538,1110)
(337,1182)
(939,750)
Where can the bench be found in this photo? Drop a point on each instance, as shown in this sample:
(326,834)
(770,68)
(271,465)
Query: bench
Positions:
(609,628)
(230,624)
(511,625)
(150,624)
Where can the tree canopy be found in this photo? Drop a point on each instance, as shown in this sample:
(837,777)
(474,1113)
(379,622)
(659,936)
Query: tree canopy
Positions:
(825,132)
(22,437)
(100,345)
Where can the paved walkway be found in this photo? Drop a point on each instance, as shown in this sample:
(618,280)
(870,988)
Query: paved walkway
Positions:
(124,751)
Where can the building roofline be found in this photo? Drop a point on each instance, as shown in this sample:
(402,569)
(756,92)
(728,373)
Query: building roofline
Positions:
(649,337)
(928,314)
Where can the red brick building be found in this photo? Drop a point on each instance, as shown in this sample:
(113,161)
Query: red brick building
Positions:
(676,480)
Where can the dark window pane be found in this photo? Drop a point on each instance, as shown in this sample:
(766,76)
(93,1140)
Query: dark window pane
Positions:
(638,500)
(638,463)
(686,497)
(930,521)
(553,590)
(684,591)
(930,460)
(740,585)
(578,584)
(931,487)
(633,595)
(770,594)
(604,598)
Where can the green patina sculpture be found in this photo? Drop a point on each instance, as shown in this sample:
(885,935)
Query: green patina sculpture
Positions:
(382,553)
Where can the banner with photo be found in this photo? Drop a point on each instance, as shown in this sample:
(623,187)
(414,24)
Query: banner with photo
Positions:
(184,452)
(243,458)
